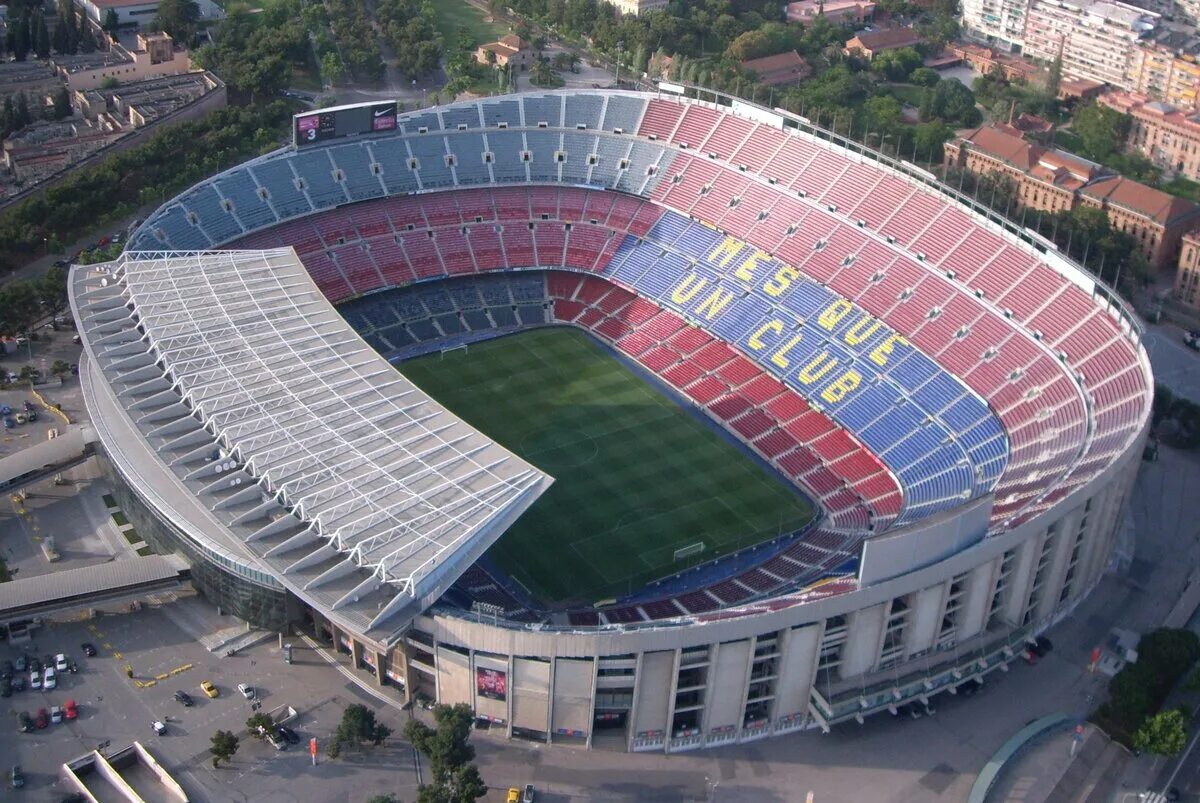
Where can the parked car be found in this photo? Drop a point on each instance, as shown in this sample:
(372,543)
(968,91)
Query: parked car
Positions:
(513,796)
(184,698)
(60,662)
(35,680)
(31,416)
(56,714)
(5,687)
(247,691)
(18,683)
(159,727)
(277,741)
(49,679)
(6,670)
(35,665)
(70,710)
(24,722)
(89,649)
(29,406)
(209,689)
(9,423)
(16,777)
(41,720)
(527,794)
(288,734)
(22,663)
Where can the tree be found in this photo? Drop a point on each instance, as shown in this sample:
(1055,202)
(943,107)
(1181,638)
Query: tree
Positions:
(454,778)
(358,725)
(19,38)
(224,747)
(41,37)
(383,799)
(1163,734)
(924,76)
(331,68)
(60,369)
(52,289)
(259,724)
(111,21)
(1100,129)
(178,18)
(62,103)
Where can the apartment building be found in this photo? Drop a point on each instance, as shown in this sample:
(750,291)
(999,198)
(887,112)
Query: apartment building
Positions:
(1097,38)
(1166,68)
(636,7)
(1000,23)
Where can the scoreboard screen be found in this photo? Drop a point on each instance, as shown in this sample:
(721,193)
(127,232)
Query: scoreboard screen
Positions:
(343,121)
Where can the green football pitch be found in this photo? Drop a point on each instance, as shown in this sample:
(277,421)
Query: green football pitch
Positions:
(636,476)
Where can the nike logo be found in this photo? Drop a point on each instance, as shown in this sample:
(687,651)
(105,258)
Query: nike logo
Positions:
(382,112)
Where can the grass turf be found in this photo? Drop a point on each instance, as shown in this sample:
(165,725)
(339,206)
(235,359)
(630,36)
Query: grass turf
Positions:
(454,16)
(636,476)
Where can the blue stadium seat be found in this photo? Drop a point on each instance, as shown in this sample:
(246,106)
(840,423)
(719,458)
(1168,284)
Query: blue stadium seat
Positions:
(623,112)
(430,153)
(455,117)
(239,187)
(583,109)
(277,178)
(543,109)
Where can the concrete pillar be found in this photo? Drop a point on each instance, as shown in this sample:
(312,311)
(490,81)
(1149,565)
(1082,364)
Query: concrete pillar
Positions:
(1021,578)
(380,676)
(972,614)
(924,618)
(864,635)
(355,652)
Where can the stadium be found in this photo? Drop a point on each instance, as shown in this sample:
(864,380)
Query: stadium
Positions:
(644,421)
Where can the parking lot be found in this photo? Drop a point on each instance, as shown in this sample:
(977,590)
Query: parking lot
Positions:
(115,710)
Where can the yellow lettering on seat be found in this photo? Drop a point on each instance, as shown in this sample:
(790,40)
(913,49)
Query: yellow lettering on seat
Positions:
(834,313)
(778,358)
(862,330)
(686,290)
(817,368)
(880,355)
(755,341)
(782,280)
(745,271)
(726,251)
(712,306)
(838,389)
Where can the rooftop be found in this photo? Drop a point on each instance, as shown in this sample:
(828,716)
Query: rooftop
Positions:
(884,39)
(323,444)
(1154,204)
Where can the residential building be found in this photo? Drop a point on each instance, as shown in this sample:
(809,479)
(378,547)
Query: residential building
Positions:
(986,59)
(1167,136)
(1187,277)
(1097,39)
(839,12)
(870,43)
(780,69)
(146,55)
(510,49)
(636,7)
(1165,68)
(997,22)
(137,12)
(1052,180)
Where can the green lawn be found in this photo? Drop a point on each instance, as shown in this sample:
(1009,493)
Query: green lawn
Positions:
(636,476)
(459,15)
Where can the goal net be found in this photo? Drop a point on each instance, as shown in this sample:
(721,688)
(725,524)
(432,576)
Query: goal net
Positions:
(686,552)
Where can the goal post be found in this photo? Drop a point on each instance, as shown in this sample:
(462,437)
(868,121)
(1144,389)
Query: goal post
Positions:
(685,552)
(443,353)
